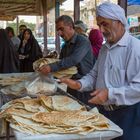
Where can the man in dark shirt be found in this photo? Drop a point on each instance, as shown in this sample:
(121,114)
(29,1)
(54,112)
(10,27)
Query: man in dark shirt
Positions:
(76,52)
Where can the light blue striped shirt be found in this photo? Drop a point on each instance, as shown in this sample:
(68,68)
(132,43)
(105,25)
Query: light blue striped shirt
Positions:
(118,70)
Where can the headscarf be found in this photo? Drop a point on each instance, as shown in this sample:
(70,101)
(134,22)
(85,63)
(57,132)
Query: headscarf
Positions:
(8,56)
(96,39)
(112,11)
(31,50)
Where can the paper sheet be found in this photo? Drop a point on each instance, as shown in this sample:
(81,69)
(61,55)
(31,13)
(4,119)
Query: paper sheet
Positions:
(114,131)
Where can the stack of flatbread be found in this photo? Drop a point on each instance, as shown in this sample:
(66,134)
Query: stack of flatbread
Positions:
(59,74)
(16,89)
(11,80)
(14,78)
(34,86)
(52,114)
(43,61)
(65,73)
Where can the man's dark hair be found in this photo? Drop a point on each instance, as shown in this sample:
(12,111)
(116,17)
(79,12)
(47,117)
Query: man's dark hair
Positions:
(22,25)
(78,22)
(66,19)
(10,29)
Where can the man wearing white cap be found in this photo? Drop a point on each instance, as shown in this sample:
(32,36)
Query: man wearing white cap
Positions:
(115,78)
(81,28)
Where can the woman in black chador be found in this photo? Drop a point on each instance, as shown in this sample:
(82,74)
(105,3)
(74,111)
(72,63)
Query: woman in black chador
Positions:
(29,51)
(8,56)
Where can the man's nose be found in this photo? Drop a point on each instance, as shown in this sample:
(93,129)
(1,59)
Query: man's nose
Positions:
(102,29)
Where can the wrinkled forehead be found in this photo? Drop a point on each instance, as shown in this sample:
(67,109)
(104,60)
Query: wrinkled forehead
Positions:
(60,23)
(101,20)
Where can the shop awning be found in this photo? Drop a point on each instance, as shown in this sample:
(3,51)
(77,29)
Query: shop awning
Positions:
(7,18)
(133,2)
(12,8)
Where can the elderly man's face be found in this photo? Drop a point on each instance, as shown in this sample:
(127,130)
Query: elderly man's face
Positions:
(65,31)
(112,30)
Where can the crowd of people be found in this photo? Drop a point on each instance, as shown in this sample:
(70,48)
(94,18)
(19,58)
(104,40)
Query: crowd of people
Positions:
(18,52)
(27,50)
(108,74)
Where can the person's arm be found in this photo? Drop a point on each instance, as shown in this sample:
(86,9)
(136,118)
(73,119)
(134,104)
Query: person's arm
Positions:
(86,83)
(80,50)
(71,83)
(89,80)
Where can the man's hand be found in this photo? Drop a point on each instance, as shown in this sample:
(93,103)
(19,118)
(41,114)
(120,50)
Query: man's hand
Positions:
(71,83)
(46,69)
(100,96)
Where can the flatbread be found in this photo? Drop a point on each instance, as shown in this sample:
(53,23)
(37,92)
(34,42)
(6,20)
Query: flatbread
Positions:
(31,105)
(46,101)
(61,75)
(68,72)
(60,103)
(18,112)
(14,104)
(43,61)
(65,73)
(31,127)
(23,129)
(52,114)
(16,89)
(12,80)
(57,118)
(64,103)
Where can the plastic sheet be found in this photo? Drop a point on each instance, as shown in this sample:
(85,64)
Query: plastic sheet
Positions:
(41,84)
(35,84)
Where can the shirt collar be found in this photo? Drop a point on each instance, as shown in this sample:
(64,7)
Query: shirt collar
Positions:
(73,39)
(123,42)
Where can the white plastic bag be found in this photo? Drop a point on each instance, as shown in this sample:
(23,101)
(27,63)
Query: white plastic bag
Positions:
(41,84)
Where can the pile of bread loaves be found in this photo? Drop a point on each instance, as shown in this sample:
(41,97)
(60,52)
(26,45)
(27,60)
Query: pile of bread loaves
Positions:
(52,114)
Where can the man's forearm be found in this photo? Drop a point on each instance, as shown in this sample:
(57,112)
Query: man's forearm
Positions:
(71,83)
